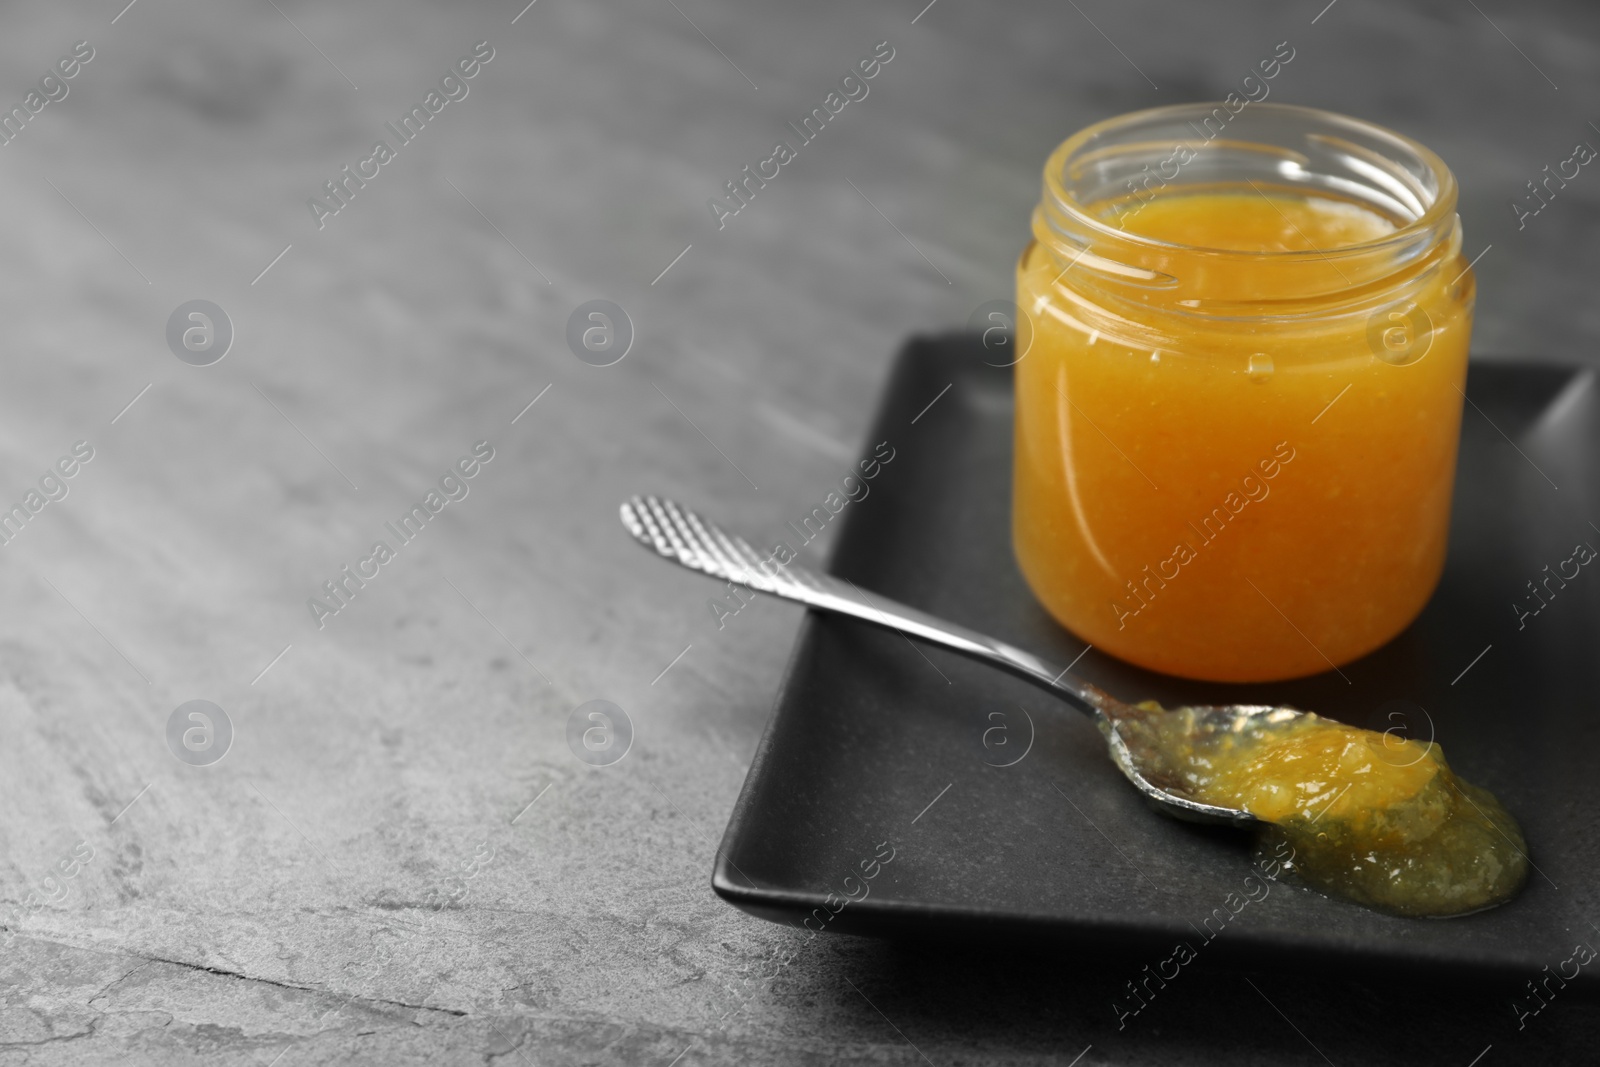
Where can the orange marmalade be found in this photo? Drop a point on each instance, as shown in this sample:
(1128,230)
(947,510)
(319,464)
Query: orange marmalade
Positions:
(1237,417)
(1369,817)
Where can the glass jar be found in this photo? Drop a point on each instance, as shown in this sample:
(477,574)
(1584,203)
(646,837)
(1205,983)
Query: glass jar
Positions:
(1237,419)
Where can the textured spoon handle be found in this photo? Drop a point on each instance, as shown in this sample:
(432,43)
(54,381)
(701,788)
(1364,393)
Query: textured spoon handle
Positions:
(678,534)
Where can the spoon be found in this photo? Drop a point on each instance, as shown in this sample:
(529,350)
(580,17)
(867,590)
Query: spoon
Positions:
(1132,732)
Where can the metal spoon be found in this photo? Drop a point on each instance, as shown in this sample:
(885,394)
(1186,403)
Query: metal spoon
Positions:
(1131,732)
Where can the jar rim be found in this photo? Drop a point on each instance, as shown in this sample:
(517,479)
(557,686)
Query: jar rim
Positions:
(1434,216)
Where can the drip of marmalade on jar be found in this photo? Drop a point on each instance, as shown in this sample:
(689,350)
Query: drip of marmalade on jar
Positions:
(1236,425)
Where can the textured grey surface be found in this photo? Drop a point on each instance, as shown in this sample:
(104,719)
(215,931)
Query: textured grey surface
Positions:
(279,907)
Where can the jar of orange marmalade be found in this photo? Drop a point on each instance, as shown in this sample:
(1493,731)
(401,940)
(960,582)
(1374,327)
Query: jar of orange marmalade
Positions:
(1237,417)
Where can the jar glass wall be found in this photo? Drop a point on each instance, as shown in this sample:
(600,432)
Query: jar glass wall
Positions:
(1237,420)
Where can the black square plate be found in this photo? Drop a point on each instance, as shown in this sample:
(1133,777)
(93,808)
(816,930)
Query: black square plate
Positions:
(882,749)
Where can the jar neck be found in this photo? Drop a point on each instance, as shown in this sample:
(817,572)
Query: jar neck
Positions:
(1098,180)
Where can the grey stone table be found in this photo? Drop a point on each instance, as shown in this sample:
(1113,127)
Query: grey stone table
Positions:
(399,860)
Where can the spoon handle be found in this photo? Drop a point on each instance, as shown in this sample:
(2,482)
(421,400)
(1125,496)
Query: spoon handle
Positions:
(680,535)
